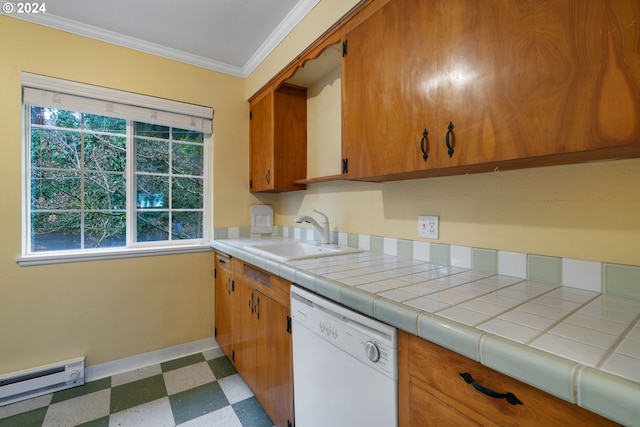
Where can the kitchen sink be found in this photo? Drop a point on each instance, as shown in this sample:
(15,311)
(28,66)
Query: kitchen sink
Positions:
(288,251)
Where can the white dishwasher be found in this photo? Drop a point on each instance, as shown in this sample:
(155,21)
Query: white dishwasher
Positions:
(345,365)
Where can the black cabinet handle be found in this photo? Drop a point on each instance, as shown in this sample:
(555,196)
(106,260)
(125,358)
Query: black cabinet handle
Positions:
(424,145)
(450,139)
(510,397)
(251,306)
(257,308)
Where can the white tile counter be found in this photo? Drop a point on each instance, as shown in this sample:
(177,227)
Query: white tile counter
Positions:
(579,345)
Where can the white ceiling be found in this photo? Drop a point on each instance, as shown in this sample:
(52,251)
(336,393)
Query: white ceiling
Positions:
(230,36)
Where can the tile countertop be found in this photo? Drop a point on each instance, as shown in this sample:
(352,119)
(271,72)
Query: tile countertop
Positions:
(579,345)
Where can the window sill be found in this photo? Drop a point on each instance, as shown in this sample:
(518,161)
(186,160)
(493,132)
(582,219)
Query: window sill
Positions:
(98,255)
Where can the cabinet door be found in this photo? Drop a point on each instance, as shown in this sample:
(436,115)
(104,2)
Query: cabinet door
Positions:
(275,362)
(590,74)
(261,150)
(223,304)
(245,332)
(389,90)
(521,79)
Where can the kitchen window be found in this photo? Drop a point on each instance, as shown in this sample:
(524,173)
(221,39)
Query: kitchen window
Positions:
(111,174)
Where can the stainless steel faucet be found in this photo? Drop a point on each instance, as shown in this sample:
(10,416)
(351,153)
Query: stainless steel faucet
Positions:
(322,227)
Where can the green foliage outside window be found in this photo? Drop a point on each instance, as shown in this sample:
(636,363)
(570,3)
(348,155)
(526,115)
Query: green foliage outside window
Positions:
(78,166)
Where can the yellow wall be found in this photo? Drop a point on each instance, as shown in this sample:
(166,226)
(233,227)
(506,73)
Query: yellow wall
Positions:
(108,310)
(587,211)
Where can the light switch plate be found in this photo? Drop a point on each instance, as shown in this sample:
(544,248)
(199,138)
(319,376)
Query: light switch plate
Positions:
(428,226)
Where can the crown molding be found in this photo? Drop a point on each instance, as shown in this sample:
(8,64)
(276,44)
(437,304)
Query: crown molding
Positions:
(291,20)
(302,8)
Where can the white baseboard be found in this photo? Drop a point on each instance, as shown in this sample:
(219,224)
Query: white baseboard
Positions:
(138,361)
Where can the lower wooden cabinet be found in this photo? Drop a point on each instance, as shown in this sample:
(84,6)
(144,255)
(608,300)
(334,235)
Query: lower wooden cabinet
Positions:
(256,307)
(432,392)
(223,301)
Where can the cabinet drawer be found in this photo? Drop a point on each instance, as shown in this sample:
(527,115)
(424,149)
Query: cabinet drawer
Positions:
(439,370)
(272,286)
(222,261)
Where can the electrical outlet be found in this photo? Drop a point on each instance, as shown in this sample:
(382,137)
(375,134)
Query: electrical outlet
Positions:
(428,226)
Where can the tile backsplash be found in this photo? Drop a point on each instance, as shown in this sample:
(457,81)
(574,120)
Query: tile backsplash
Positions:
(616,279)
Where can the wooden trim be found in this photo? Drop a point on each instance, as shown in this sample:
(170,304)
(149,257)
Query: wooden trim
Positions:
(330,37)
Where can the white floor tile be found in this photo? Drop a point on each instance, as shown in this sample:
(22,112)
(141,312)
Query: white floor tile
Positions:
(78,410)
(213,354)
(188,377)
(225,417)
(135,375)
(234,388)
(157,414)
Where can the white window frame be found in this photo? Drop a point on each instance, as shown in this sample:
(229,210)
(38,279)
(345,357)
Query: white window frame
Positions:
(133,107)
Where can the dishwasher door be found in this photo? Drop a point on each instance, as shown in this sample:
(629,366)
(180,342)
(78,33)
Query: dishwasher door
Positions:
(344,365)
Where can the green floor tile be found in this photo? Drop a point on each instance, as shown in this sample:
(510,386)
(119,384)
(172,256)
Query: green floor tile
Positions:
(26,419)
(196,402)
(87,388)
(137,392)
(250,413)
(100,422)
(182,362)
(222,367)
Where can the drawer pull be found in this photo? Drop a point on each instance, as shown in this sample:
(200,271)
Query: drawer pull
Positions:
(510,397)
(449,139)
(424,147)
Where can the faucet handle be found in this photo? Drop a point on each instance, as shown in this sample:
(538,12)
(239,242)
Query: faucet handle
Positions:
(325,219)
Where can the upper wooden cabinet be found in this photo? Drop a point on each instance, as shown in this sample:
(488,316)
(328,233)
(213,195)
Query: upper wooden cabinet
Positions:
(506,83)
(278,139)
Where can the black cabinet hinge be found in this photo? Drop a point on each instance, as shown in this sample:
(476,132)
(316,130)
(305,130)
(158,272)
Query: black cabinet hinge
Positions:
(233,355)
(344,48)
(250,115)
(345,165)
(215,332)
(289,324)
(250,184)
(215,273)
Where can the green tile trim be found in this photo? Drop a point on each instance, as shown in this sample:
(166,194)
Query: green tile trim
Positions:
(450,334)
(440,254)
(405,248)
(484,260)
(540,369)
(358,300)
(622,280)
(376,244)
(544,269)
(396,314)
(608,395)
(221,233)
(352,240)
(245,232)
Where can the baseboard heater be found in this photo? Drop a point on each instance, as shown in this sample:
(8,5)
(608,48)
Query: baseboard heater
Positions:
(34,382)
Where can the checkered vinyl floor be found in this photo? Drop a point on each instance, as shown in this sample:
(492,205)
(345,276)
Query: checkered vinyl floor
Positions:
(203,389)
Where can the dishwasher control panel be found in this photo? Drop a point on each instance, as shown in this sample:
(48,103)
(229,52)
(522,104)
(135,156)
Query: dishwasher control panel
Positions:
(368,340)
